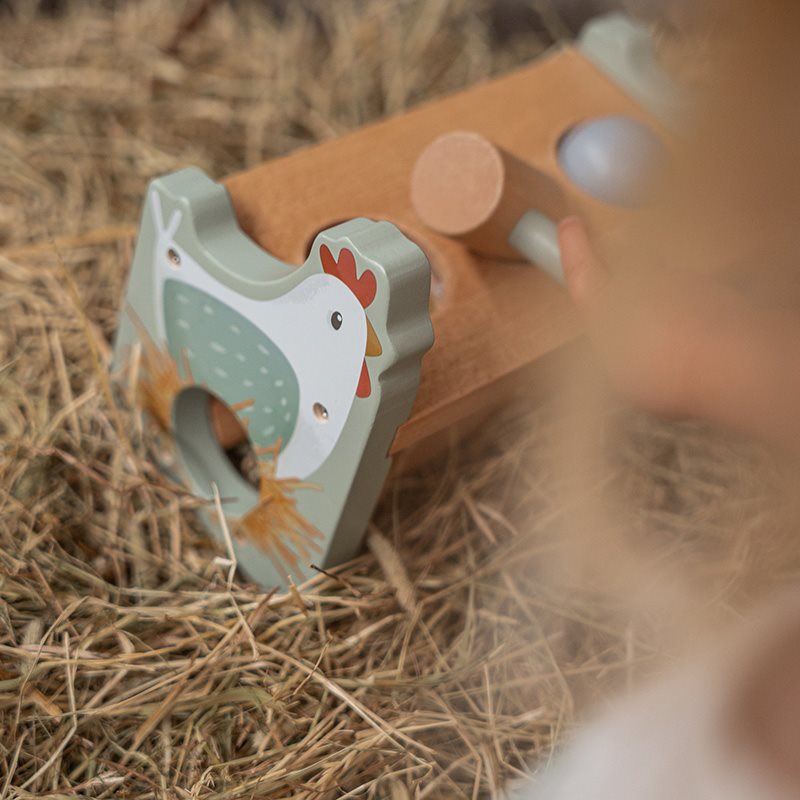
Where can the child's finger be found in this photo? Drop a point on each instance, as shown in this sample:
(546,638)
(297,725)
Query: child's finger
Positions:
(584,274)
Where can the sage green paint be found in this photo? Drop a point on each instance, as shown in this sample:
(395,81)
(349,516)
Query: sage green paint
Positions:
(350,479)
(623,49)
(230,355)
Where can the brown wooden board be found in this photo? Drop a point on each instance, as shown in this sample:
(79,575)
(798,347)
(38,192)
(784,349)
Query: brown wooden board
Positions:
(494,319)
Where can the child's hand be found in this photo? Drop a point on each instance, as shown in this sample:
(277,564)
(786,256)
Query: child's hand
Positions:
(681,344)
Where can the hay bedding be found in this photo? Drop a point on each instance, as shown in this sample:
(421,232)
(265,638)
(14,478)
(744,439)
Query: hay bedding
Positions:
(133,661)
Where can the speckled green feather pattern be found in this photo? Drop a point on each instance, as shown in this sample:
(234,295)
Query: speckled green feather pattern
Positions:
(234,359)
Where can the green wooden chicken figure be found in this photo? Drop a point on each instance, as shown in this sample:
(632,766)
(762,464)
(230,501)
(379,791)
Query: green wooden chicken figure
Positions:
(319,364)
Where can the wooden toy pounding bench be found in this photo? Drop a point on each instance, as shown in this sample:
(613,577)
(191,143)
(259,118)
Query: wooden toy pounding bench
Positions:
(332,366)
(492,319)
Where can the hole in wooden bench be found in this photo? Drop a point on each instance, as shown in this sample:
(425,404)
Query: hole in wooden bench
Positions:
(214,446)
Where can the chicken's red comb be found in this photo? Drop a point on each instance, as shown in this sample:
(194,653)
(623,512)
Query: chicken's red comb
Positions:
(344,269)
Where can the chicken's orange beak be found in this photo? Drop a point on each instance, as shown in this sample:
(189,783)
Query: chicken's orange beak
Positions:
(373,343)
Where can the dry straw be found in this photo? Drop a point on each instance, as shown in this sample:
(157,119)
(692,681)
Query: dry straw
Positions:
(437,663)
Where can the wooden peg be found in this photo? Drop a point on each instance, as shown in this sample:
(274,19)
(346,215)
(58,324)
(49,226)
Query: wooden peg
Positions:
(466,187)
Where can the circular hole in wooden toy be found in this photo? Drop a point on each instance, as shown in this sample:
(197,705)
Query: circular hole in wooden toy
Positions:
(437,285)
(320,412)
(174,258)
(231,435)
(215,448)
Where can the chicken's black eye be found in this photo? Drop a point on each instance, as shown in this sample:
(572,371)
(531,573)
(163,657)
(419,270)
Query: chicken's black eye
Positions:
(336,320)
